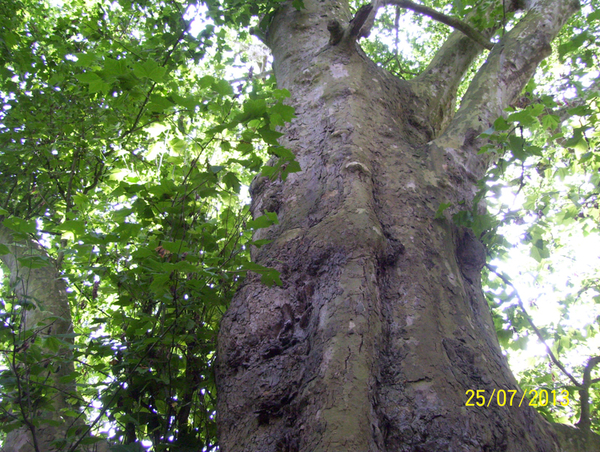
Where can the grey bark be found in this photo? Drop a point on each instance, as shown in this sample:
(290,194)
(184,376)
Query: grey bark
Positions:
(45,429)
(381,325)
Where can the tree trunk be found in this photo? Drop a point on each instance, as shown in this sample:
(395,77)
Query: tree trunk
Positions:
(44,393)
(381,325)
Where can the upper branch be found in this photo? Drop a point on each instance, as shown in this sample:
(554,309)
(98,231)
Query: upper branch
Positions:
(440,17)
(360,26)
(584,393)
(438,84)
(509,66)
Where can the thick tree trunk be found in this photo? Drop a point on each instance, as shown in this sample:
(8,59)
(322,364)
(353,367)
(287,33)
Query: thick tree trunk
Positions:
(381,326)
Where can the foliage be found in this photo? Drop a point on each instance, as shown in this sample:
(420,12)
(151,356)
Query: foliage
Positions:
(131,160)
(126,152)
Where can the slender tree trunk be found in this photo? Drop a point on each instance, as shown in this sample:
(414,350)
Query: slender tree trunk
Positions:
(381,325)
(44,389)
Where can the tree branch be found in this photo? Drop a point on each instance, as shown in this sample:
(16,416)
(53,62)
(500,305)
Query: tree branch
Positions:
(440,17)
(538,333)
(508,68)
(438,84)
(584,422)
(360,25)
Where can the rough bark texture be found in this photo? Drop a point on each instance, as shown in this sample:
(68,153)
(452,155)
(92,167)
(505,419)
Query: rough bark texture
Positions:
(381,325)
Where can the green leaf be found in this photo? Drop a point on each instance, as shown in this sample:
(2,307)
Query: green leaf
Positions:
(159,103)
(264,221)
(245,148)
(223,87)
(96,84)
(550,121)
(75,227)
(516,147)
(34,261)
(255,108)
(91,440)
(270,136)
(440,211)
(10,426)
(53,344)
(151,70)
(504,337)
(231,180)
(115,67)
(283,112)
(269,276)
(206,81)
(86,59)
(501,124)
(290,167)
(19,225)
(298,4)
(539,250)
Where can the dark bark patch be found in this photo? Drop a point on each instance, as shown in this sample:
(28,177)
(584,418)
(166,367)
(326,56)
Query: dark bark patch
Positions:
(272,204)
(304,319)
(392,252)
(273,406)
(470,138)
(471,255)
(463,357)
(288,443)
(271,350)
(336,32)
(258,185)
(320,262)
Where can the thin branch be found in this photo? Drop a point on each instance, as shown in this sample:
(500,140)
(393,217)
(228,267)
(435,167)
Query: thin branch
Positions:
(88,428)
(142,108)
(584,422)
(248,78)
(535,329)
(448,20)
(20,391)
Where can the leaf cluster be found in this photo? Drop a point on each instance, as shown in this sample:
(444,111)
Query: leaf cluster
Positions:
(128,155)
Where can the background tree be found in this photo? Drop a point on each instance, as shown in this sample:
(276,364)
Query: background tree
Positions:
(124,154)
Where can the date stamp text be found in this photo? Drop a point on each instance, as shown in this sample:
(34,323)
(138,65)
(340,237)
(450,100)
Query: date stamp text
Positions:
(503,397)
